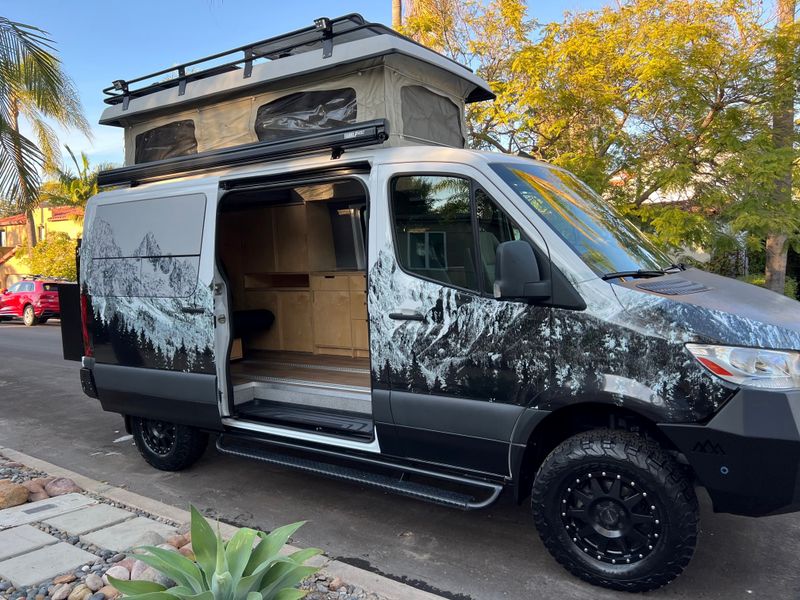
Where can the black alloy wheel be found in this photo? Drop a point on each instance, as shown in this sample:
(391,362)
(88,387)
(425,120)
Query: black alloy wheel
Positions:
(168,446)
(610,518)
(616,510)
(159,436)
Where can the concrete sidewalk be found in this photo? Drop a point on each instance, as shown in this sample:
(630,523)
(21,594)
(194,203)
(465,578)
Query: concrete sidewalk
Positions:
(29,556)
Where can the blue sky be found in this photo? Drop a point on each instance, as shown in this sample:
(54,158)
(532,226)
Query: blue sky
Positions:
(103,40)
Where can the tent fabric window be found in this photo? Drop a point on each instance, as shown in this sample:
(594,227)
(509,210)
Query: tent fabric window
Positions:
(304,112)
(430,116)
(167,141)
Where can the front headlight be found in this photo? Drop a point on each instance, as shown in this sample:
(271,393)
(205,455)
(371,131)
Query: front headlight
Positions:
(751,367)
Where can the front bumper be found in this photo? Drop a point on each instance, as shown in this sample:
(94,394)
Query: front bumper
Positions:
(748,455)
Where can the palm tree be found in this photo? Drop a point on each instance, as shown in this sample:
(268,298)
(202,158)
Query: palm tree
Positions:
(33,89)
(397,14)
(68,188)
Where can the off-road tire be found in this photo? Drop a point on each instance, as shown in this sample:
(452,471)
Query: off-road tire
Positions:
(656,472)
(187,447)
(29,316)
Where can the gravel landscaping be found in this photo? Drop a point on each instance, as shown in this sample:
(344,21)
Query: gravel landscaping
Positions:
(19,484)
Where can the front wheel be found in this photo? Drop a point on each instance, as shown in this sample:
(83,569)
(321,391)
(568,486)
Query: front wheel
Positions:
(28,316)
(167,446)
(614,509)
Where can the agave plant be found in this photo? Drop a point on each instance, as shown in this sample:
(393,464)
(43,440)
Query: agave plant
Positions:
(246,567)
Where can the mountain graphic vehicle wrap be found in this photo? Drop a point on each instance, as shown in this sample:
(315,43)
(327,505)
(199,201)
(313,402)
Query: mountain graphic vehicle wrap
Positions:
(137,304)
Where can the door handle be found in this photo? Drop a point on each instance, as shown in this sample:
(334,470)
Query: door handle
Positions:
(407,315)
(193,310)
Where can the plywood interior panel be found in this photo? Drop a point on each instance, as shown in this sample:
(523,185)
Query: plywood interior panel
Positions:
(282,258)
(297,332)
(289,232)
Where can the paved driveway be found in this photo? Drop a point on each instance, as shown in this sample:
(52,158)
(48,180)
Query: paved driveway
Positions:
(489,555)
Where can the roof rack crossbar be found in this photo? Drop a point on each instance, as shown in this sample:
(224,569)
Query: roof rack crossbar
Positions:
(323,33)
(335,140)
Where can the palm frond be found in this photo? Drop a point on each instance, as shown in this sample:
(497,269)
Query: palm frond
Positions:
(20,162)
(27,63)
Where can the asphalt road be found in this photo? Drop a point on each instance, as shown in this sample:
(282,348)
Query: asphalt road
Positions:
(487,555)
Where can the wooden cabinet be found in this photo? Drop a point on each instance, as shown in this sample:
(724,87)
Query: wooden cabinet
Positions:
(340,313)
(296,331)
(332,319)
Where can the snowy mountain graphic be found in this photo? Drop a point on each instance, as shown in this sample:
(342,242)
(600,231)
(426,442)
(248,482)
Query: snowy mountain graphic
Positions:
(138,303)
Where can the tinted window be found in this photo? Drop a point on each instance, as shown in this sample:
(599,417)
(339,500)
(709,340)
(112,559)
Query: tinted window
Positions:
(429,116)
(603,239)
(146,248)
(167,141)
(50,287)
(305,112)
(494,228)
(433,229)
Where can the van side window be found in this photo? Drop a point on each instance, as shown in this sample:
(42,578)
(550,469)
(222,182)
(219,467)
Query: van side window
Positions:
(146,248)
(433,229)
(303,112)
(494,228)
(166,141)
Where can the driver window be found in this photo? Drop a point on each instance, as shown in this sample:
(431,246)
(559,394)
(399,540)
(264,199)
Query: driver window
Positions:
(14,288)
(433,229)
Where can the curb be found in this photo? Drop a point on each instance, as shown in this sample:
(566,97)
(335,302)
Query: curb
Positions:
(366,580)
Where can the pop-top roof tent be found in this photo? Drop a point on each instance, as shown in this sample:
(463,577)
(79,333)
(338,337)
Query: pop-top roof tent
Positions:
(339,75)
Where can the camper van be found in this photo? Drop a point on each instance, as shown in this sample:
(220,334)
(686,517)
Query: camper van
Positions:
(301,259)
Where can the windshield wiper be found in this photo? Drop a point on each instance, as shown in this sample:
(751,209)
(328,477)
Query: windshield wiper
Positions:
(674,267)
(639,273)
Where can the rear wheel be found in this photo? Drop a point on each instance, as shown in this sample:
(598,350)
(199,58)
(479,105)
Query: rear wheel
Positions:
(28,316)
(167,446)
(615,510)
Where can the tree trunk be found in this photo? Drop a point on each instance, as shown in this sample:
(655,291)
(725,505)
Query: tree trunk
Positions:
(777,251)
(782,138)
(397,14)
(24,193)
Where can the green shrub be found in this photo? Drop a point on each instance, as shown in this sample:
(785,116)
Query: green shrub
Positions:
(54,257)
(232,570)
(789,289)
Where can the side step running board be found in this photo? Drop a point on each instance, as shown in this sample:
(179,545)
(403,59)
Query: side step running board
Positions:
(421,491)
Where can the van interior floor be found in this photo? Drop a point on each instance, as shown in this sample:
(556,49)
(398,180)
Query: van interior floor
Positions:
(326,394)
(301,366)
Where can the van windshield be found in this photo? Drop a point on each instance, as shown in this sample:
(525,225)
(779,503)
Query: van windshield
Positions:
(604,240)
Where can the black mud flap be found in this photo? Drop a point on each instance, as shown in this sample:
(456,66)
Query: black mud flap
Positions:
(69,300)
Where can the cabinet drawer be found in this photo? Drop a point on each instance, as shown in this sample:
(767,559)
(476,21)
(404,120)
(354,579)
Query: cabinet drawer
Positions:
(358,283)
(329,282)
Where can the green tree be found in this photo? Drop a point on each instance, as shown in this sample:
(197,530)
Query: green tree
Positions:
(33,89)
(783,137)
(645,100)
(54,257)
(72,188)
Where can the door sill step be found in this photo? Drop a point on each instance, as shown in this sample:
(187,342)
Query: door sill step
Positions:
(260,450)
(320,420)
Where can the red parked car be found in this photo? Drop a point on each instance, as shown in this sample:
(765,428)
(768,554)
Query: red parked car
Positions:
(32,300)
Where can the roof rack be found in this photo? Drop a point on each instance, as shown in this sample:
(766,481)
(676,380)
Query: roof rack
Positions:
(336,140)
(322,34)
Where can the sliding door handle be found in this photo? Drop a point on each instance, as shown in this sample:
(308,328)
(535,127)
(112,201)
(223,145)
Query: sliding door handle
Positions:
(407,315)
(193,310)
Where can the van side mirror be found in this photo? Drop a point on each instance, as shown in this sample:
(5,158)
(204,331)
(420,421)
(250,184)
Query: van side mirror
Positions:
(517,274)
